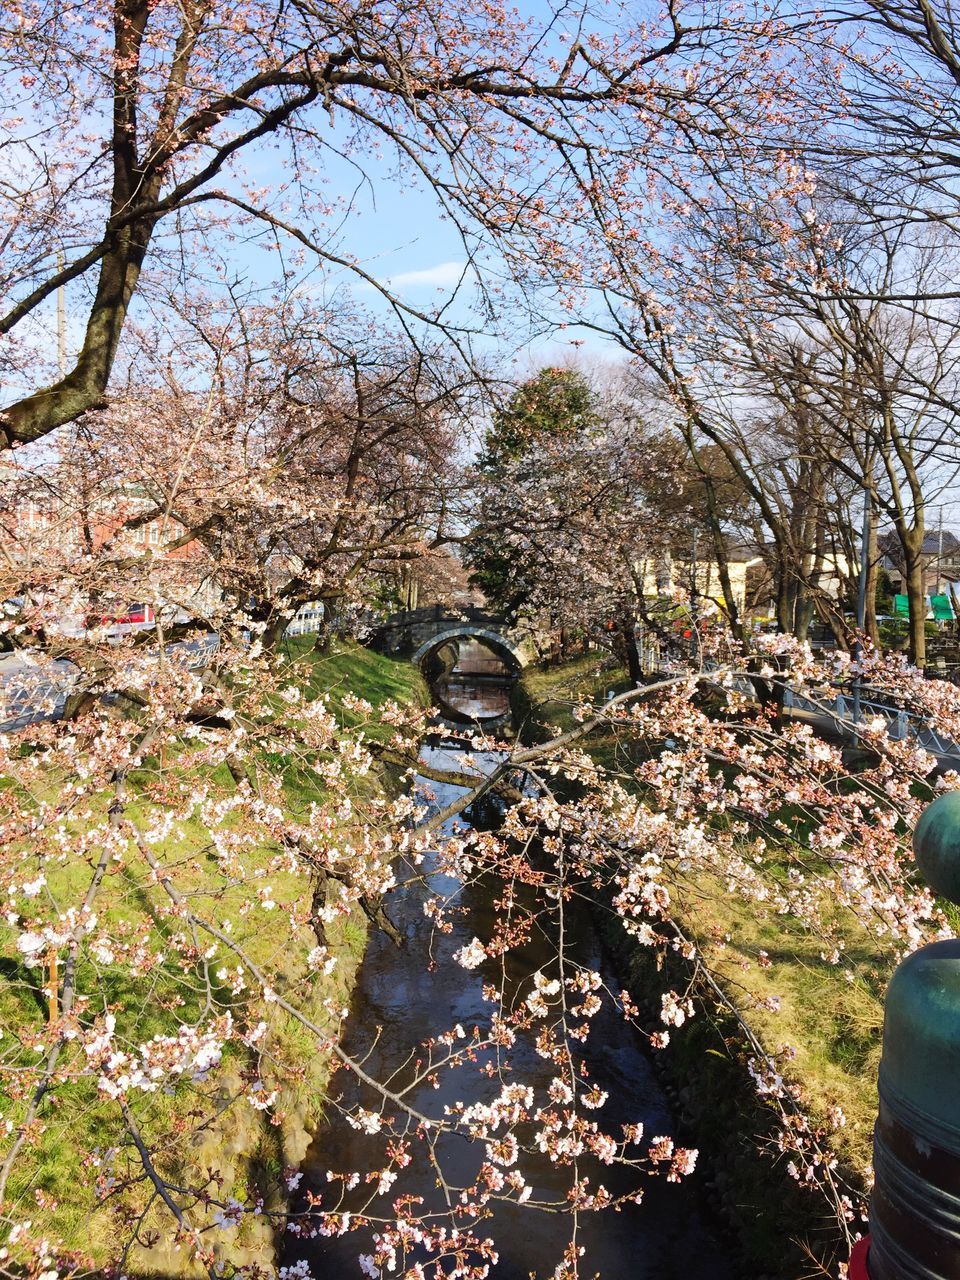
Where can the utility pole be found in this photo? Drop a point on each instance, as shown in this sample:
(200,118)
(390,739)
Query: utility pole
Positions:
(862,599)
(693,576)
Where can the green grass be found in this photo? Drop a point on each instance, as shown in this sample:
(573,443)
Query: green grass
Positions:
(556,691)
(49,1185)
(832,1020)
(348,668)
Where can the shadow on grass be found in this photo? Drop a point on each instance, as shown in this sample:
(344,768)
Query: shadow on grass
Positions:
(13,971)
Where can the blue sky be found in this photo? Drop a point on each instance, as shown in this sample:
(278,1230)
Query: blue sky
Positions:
(398,234)
(395,230)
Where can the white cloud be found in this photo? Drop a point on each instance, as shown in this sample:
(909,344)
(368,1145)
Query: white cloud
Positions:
(445,275)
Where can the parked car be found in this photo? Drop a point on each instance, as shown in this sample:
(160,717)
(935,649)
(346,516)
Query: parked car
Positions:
(128,615)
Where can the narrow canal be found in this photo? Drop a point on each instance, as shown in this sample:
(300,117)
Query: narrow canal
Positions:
(399,1003)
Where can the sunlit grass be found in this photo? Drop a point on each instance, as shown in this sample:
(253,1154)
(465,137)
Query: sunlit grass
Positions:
(196,1123)
(830,1014)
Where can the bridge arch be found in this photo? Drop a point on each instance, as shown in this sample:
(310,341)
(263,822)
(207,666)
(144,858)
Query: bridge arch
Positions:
(502,645)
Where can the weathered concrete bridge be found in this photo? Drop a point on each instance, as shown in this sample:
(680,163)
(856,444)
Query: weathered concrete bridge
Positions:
(418,633)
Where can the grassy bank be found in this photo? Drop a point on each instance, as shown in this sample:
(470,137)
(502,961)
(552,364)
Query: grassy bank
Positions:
(831,1015)
(80,1181)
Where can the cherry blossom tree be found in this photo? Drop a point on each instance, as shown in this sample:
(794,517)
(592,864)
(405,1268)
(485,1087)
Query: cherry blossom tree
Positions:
(314,465)
(536,136)
(162,808)
(576,505)
(151,839)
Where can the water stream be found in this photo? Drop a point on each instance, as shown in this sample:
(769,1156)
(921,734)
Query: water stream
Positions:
(398,1003)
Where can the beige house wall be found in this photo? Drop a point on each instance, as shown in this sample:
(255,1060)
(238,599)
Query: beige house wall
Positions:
(666,577)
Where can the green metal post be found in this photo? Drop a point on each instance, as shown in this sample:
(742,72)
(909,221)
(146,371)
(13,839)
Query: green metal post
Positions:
(915,1207)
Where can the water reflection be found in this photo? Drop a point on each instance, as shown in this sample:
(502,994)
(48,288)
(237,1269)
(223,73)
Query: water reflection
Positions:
(473,682)
(398,1004)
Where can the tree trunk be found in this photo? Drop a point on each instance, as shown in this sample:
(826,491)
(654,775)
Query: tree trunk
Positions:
(839,628)
(631,650)
(726,585)
(324,633)
(873,573)
(784,599)
(274,632)
(634,664)
(916,600)
(803,614)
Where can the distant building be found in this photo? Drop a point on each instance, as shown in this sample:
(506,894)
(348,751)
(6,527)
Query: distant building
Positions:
(667,575)
(831,576)
(45,525)
(940,558)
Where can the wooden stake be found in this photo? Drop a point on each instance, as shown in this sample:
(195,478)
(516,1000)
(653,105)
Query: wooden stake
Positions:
(53,989)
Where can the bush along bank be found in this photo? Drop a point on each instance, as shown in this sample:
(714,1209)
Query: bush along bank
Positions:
(765,986)
(229,1124)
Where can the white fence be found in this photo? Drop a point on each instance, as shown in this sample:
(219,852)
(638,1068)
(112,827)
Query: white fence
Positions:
(839,708)
(306,621)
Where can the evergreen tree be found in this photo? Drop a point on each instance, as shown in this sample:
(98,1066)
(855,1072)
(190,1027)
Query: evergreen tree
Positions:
(553,404)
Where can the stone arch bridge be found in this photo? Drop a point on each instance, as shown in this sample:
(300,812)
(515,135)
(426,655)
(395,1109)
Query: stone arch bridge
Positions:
(418,633)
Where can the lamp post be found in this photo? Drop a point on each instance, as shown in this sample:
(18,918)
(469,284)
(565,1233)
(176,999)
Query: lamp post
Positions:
(915,1206)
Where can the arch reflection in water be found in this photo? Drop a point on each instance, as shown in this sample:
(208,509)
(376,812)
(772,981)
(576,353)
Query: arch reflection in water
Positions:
(470,680)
